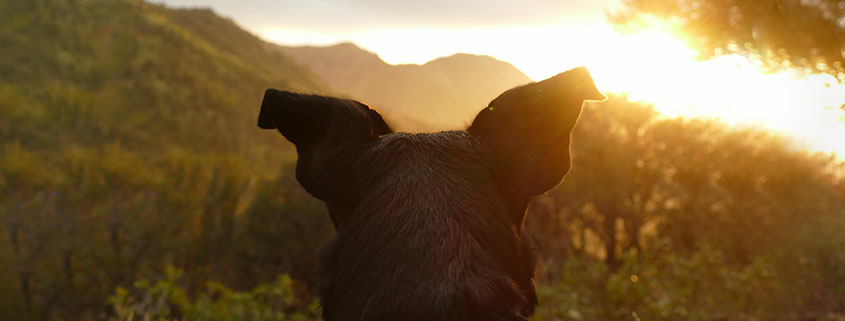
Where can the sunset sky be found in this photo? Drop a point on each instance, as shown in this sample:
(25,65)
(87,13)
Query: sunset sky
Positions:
(545,37)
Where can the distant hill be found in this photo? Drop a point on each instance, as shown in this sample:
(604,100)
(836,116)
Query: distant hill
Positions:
(442,94)
(88,72)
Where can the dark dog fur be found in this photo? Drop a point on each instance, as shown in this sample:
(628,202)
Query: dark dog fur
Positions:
(429,225)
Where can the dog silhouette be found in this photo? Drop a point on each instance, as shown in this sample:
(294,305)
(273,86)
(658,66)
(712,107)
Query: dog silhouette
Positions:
(429,225)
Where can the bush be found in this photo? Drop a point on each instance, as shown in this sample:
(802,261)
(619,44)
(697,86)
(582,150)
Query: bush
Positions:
(165,299)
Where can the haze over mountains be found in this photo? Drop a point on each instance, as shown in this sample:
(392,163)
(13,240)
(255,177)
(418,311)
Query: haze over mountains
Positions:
(442,94)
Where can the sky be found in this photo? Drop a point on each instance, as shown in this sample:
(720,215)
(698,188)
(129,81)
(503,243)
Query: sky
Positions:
(419,31)
(545,37)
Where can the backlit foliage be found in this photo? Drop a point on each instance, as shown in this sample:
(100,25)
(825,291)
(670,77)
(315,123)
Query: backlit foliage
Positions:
(780,33)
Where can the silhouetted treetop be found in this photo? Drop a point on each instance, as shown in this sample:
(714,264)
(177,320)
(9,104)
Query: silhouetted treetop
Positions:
(780,33)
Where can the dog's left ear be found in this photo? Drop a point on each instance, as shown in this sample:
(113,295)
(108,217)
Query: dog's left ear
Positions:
(324,130)
(528,131)
(307,120)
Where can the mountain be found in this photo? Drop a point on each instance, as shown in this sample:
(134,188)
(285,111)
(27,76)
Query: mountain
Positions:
(84,73)
(444,93)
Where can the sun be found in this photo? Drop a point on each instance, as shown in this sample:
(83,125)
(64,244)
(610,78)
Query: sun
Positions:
(649,65)
(654,65)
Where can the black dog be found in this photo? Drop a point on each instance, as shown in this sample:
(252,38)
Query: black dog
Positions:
(429,225)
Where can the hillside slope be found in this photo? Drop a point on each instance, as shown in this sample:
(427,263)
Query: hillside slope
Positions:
(442,94)
(76,72)
(128,144)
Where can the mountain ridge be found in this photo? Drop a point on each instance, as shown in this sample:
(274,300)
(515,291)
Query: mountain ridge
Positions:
(442,94)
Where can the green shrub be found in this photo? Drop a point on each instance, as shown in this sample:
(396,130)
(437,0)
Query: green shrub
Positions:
(165,299)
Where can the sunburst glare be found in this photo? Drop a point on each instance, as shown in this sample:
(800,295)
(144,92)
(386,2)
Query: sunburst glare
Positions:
(649,62)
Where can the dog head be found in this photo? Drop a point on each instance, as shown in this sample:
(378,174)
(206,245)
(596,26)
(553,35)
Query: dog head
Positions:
(437,215)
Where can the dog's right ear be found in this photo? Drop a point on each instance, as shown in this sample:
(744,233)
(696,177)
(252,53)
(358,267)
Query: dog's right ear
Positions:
(321,128)
(528,131)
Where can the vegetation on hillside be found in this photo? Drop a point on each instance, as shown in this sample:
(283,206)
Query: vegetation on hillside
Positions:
(128,143)
(88,73)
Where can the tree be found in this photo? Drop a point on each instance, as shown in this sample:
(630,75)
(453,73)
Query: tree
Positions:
(686,219)
(618,183)
(780,33)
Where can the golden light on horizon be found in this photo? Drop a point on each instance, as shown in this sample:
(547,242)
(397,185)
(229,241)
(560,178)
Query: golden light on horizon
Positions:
(654,66)
(651,64)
